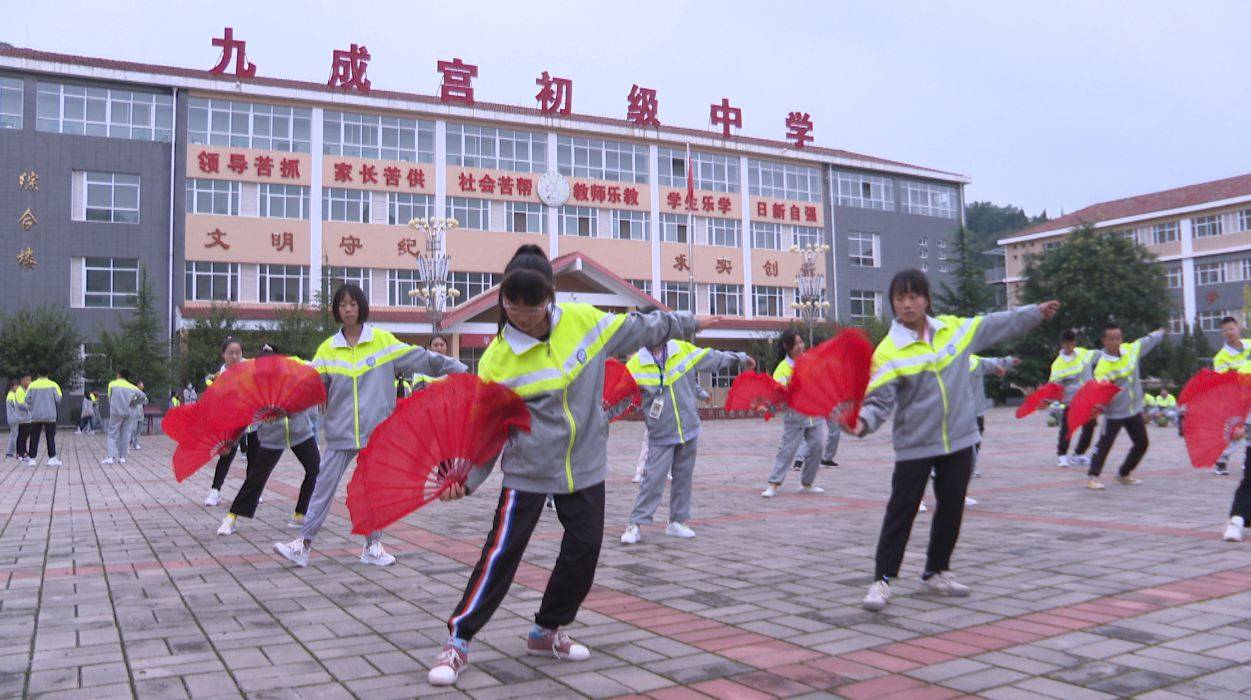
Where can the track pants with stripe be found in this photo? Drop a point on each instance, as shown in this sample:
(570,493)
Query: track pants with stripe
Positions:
(581,513)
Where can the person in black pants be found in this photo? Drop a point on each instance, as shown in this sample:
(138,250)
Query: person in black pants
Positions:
(1083,438)
(267,445)
(1119,363)
(1240,511)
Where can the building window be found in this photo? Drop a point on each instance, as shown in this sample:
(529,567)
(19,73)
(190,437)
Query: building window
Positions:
(929,200)
(724,378)
(1164,233)
(373,136)
(1245,268)
(1211,320)
(283,201)
(1244,220)
(110,283)
(715,172)
(1173,275)
(924,254)
(1205,226)
(864,305)
(865,191)
(725,299)
(925,267)
(579,221)
(766,236)
(673,228)
(724,232)
(492,148)
(283,284)
(219,197)
(676,295)
(644,286)
(210,281)
(942,267)
(1176,325)
(768,301)
(11,100)
(403,207)
(808,236)
(471,284)
(1047,247)
(629,225)
(96,111)
(942,243)
(862,249)
(923,241)
(338,276)
(1209,273)
(249,125)
(112,197)
(525,217)
(399,284)
(783,181)
(602,160)
(348,206)
(470,213)
(471,357)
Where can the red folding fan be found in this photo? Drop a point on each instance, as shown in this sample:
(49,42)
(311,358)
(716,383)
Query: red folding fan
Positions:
(832,377)
(1216,404)
(429,444)
(1088,402)
(754,391)
(180,421)
(204,430)
(1199,381)
(1047,392)
(269,388)
(619,386)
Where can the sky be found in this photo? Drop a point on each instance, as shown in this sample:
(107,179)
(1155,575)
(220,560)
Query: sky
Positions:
(1046,105)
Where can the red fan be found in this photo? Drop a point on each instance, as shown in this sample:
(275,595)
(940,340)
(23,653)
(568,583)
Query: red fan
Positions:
(1088,402)
(1046,392)
(619,385)
(203,431)
(832,377)
(269,388)
(430,443)
(1216,404)
(753,391)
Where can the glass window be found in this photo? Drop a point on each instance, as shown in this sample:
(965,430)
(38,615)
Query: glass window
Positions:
(218,122)
(602,160)
(470,213)
(644,286)
(471,357)
(766,236)
(525,217)
(865,191)
(283,201)
(359,276)
(808,235)
(349,206)
(488,147)
(579,221)
(1205,226)
(210,281)
(929,200)
(1244,220)
(1211,320)
(1209,273)
(862,249)
(471,284)
(768,301)
(783,181)
(724,232)
(373,136)
(1165,232)
(629,225)
(677,296)
(11,99)
(212,197)
(864,305)
(110,283)
(403,207)
(98,111)
(673,228)
(283,284)
(112,197)
(725,299)
(399,284)
(1173,275)
(724,378)
(712,171)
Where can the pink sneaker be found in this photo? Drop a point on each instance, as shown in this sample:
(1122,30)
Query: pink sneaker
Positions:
(448,666)
(558,644)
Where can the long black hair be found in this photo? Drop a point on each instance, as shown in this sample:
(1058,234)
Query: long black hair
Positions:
(358,295)
(786,342)
(528,279)
(909,281)
(231,340)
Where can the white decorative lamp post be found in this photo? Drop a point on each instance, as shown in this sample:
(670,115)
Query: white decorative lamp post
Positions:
(810,302)
(433,268)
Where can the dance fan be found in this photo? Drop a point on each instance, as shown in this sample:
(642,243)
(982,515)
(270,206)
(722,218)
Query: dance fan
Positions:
(1047,393)
(270,388)
(1216,403)
(755,391)
(429,444)
(1088,402)
(832,377)
(203,430)
(621,392)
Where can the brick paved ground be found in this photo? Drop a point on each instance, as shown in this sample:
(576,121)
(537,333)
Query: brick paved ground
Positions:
(114,584)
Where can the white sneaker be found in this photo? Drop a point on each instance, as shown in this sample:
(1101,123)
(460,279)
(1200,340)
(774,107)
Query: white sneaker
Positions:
(1080,461)
(214,497)
(943,583)
(969,501)
(1233,533)
(677,529)
(638,478)
(1094,484)
(32,462)
(878,596)
(631,534)
(107,460)
(447,667)
(1064,461)
(813,488)
(54,462)
(122,460)
(769,492)
(294,551)
(260,500)
(375,554)
(922,509)
(227,526)
(977,474)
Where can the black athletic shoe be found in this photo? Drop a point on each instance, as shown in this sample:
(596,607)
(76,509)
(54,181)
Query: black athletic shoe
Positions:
(797,466)
(1221,470)
(829,463)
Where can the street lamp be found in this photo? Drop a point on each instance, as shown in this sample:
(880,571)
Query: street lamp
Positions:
(810,301)
(433,267)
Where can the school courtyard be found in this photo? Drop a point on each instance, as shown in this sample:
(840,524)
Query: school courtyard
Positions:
(115,585)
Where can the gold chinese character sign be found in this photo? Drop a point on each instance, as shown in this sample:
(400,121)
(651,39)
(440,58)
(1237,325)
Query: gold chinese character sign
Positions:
(26,259)
(28,180)
(27,220)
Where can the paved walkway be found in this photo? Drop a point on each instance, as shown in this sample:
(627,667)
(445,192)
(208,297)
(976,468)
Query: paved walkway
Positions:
(113,584)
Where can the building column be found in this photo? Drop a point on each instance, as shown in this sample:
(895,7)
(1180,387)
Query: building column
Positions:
(440,169)
(748,307)
(553,213)
(653,237)
(315,214)
(831,258)
(1189,307)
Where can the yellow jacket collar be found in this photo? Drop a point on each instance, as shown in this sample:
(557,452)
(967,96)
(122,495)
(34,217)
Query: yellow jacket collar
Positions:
(519,342)
(339,341)
(904,336)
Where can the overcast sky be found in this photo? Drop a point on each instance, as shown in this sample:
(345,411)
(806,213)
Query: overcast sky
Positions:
(1047,105)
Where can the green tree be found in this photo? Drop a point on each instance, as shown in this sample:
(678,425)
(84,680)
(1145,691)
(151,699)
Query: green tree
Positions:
(971,295)
(988,222)
(42,337)
(301,330)
(200,351)
(138,345)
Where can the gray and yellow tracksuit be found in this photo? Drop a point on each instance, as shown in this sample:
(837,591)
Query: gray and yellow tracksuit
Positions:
(11,417)
(1071,371)
(360,394)
(125,408)
(43,397)
(669,383)
(1125,411)
(561,379)
(295,433)
(1232,358)
(978,368)
(797,430)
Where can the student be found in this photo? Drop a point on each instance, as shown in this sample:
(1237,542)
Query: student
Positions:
(11,417)
(796,428)
(921,374)
(1073,367)
(87,414)
(1232,356)
(358,366)
(1119,364)
(552,354)
(978,368)
(668,378)
(43,398)
(188,394)
(23,418)
(125,406)
(231,352)
(134,434)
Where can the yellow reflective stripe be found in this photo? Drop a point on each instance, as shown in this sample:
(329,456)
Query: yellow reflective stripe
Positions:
(942,389)
(676,416)
(898,367)
(961,339)
(684,364)
(591,343)
(573,434)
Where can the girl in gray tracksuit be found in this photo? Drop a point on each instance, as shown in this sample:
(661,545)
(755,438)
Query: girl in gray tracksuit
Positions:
(978,368)
(126,403)
(668,378)
(796,428)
